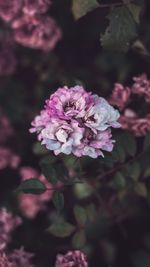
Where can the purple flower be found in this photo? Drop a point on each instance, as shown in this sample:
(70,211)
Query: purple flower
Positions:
(72,259)
(36,32)
(20,258)
(75,121)
(4,262)
(7,224)
(32,7)
(69,103)
(9,9)
(92,143)
(101,115)
(61,136)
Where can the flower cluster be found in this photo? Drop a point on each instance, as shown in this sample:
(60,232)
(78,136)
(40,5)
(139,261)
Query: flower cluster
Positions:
(18,258)
(75,121)
(8,223)
(8,158)
(72,258)
(30,27)
(123,96)
(31,204)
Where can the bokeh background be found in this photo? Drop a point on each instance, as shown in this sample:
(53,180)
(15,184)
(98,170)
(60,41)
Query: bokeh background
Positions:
(29,73)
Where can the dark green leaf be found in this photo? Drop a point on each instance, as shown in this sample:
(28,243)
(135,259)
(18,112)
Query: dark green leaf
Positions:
(82,7)
(39,149)
(141,190)
(134,171)
(122,30)
(58,200)
(136,11)
(32,186)
(119,180)
(79,239)
(80,215)
(63,229)
(50,173)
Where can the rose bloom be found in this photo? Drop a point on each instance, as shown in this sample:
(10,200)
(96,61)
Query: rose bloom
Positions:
(9,9)
(32,7)
(75,121)
(72,259)
(36,32)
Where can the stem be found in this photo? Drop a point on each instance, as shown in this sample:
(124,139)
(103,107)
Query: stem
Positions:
(110,5)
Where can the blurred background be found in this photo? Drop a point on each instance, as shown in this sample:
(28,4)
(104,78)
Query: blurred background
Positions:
(45,45)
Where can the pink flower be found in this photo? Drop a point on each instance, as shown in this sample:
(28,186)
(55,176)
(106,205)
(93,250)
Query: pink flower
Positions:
(141,86)
(101,115)
(120,96)
(7,225)
(32,204)
(75,121)
(92,143)
(9,9)
(67,103)
(4,262)
(36,32)
(61,136)
(8,158)
(20,258)
(137,125)
(32,7)
(72,258)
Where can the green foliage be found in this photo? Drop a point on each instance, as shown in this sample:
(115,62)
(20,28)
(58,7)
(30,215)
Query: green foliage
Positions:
(32,186)
(80,215)
(82,7)
(119,181)
(58,200)
(62,230)
(122,30)
(79,239)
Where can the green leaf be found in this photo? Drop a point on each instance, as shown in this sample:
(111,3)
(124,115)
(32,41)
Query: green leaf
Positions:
(118,153)
(79,239)
(136,11)
(119,180)
(146,142)
(58,200)
(134,171)
(141,190)
(82,7)
(122,30)
(80,215)
(50,173)
(32,186)
(39,149)
(63,229)
(91,212)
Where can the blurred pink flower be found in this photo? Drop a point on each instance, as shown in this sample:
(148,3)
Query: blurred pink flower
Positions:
(31,204)
(138,126)
(4,262)
(5,128)
(9,9)
(8,223)
(8,158)
(36,32)
(32,7)
(72,258)
(20,258)
(141,86)
(120,96)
